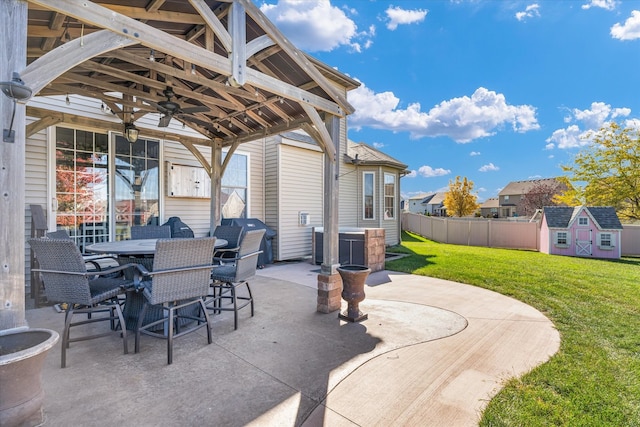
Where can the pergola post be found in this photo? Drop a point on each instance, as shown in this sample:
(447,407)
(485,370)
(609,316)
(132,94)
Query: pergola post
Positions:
(216,186)
(13,57)
(329,281)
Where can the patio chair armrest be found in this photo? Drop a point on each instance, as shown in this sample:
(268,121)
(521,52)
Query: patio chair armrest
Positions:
(175,270)
(249,255)
(113,269)
(71,273)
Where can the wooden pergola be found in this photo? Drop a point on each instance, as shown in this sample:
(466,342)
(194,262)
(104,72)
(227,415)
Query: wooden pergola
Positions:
(219,67)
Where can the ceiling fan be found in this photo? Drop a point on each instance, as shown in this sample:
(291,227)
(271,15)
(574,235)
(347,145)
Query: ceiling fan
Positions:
(169,108)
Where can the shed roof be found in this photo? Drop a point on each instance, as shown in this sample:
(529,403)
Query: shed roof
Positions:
(605,217)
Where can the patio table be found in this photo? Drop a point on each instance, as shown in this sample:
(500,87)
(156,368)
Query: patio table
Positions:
(138,251)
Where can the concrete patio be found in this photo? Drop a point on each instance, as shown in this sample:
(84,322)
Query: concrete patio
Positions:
(432,352)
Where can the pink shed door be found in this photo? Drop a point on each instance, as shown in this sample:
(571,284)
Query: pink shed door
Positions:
(583,242)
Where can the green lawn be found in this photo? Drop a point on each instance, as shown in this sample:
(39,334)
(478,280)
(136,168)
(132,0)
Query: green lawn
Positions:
(594,380)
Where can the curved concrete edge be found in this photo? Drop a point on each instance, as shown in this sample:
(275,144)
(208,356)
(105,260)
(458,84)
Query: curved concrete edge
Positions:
(448,381)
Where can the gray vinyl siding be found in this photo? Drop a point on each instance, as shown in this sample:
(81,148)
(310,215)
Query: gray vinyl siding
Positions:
(35,186)
(293,184)
(301,190)
(271,189)
(350,197)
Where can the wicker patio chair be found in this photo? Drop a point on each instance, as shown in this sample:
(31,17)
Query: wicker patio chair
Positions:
(150,232)
(66,280)
(93,260)
(232,234)
(228,277)
(180,278)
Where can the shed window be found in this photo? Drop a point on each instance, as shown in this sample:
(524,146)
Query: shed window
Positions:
(606,240)
(389,196)
(583,221)
(562,238)
(368,195)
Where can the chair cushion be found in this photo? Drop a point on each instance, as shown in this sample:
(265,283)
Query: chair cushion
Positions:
(224,273)
(104,288)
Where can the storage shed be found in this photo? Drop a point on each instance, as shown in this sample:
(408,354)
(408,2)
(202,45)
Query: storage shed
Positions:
(581,231)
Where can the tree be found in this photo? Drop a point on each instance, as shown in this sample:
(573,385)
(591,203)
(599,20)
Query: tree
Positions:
(458,200)
(606,172)
(542,193)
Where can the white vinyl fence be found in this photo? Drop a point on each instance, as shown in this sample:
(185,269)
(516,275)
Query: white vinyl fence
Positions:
(496,233)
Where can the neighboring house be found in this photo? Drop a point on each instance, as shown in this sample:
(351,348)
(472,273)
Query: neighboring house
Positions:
(580,231)
(415,203)
(434,204)
(511,197)
(490,207)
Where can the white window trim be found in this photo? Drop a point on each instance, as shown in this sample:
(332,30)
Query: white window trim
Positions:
(555,239)
(373,175)
(612,239)
(586,220)
(248,154)
(384,195)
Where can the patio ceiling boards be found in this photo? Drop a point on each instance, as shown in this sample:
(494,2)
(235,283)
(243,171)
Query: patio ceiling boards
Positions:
(224,57)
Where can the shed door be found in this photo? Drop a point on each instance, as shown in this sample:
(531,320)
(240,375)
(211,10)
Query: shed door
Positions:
(583,242)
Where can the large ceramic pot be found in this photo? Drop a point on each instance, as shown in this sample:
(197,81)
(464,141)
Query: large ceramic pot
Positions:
(22,355)
(353,278)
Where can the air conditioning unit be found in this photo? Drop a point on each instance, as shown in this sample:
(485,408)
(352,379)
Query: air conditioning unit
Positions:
(304,218)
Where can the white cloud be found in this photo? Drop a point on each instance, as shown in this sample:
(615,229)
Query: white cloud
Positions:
(461,119)
(604,4)
(474,153)
(378,145)
(398,16)
(317,25)
(630,30)
(531,11)
(592,119)
(481,190)
(412,174)
(489,167)
(429,172)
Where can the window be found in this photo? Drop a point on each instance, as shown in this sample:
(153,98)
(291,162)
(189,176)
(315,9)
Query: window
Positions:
(235,183)
(389,196)
(583,220)
(368,195)
(562,238)
(506,198)
(606,240)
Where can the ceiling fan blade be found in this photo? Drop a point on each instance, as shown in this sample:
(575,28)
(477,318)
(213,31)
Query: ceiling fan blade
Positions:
(164,121)
(191,110)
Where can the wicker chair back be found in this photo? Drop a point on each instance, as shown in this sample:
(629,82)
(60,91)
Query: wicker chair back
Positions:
(182,284)
(150,232)
(62,255)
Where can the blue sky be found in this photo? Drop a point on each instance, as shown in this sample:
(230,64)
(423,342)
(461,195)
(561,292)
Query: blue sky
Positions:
(492,90)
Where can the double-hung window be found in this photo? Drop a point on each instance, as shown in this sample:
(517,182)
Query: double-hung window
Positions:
(368,195)
(562,238)
(389,196)
(606,240)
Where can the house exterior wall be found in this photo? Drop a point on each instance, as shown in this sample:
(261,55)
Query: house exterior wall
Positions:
(36,192)
(295,187)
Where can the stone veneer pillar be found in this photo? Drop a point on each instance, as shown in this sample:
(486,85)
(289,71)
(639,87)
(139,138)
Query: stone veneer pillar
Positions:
(374,248)
(329,292)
